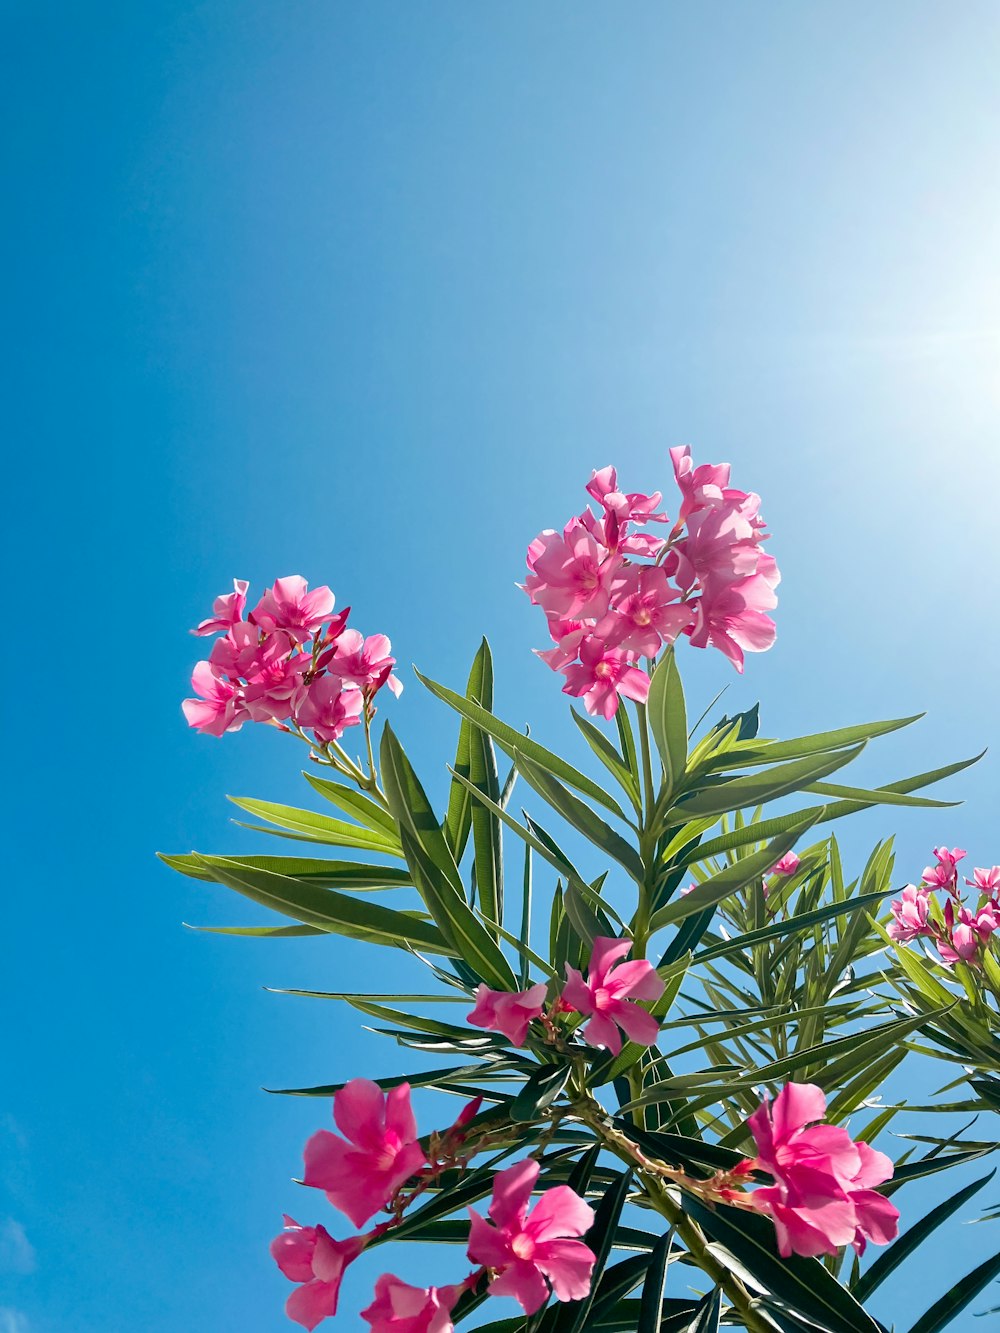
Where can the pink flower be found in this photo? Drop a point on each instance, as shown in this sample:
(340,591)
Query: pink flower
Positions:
(228,609)
(986,881)
(722,543)
(400,1308)
(311,1256)
(645,612)
(327,709)
(381,1152)
(788,865)
(289,605)
(270,665)
(366,663)
(910,911)
(602,675)
(567,636)
(508,1012)
(603,486)
(944,875)
(609,993)
(966,933)
(730,617)
(220,708)
(823,1196)
(701,486)
(569,573)
(533,1251)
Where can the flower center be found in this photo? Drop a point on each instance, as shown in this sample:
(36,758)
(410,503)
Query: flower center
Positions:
(603,670)
(385,1159)
(523,1246)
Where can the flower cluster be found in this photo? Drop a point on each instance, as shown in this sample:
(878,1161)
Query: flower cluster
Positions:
(613,595)
(606,997)
(525,1254)
(957,931)
(289,660)
(823,1194)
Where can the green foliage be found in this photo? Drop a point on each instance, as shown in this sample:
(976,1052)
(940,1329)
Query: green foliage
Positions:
(767,978)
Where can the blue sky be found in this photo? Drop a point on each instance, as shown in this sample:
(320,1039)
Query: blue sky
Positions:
(364,292)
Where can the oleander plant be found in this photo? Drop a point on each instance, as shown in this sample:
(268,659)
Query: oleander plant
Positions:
(671,1013)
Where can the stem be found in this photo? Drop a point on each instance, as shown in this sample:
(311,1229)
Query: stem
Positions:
(593,1115)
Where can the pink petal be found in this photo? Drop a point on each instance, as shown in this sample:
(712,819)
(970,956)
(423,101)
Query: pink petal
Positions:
(795,1106)
(487,1245)
(568,1264)
(600,1031)
(399,1113)
(359,1110)
(878,1219)
(637,980)
(524,1282)
(638,1025)
(326,1159)
(607,950)
(311,1304)
(511,1191)
(559,1212)
(576,992)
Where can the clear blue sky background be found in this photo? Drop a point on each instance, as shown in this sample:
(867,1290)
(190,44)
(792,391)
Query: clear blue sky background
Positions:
(364,291)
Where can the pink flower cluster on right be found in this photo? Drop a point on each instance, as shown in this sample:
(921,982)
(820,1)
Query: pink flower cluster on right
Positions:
(957,931)
(823,1196)
(613,595)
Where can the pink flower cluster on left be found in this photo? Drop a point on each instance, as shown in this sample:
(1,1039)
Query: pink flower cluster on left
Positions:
(290,659)
(529,1254)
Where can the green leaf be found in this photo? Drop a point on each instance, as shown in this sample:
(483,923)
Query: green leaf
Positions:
(792,926)
(839,808)
(610,758)
(458,820)
(709,1311)
(747,753)
(580,816)
(486,827)
(426,1078)
(524,940)
(261,932)
(804,1285)
(876,796)
(651,1307)
(728,881)
(757,789)
(668,719)
(510,741)
(616,1283)
(336,913)
(434,871)
(931,1165)
(890,1259)
(354,803)
(943,1311)
(539,1092)
(313,870)
(308,826)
